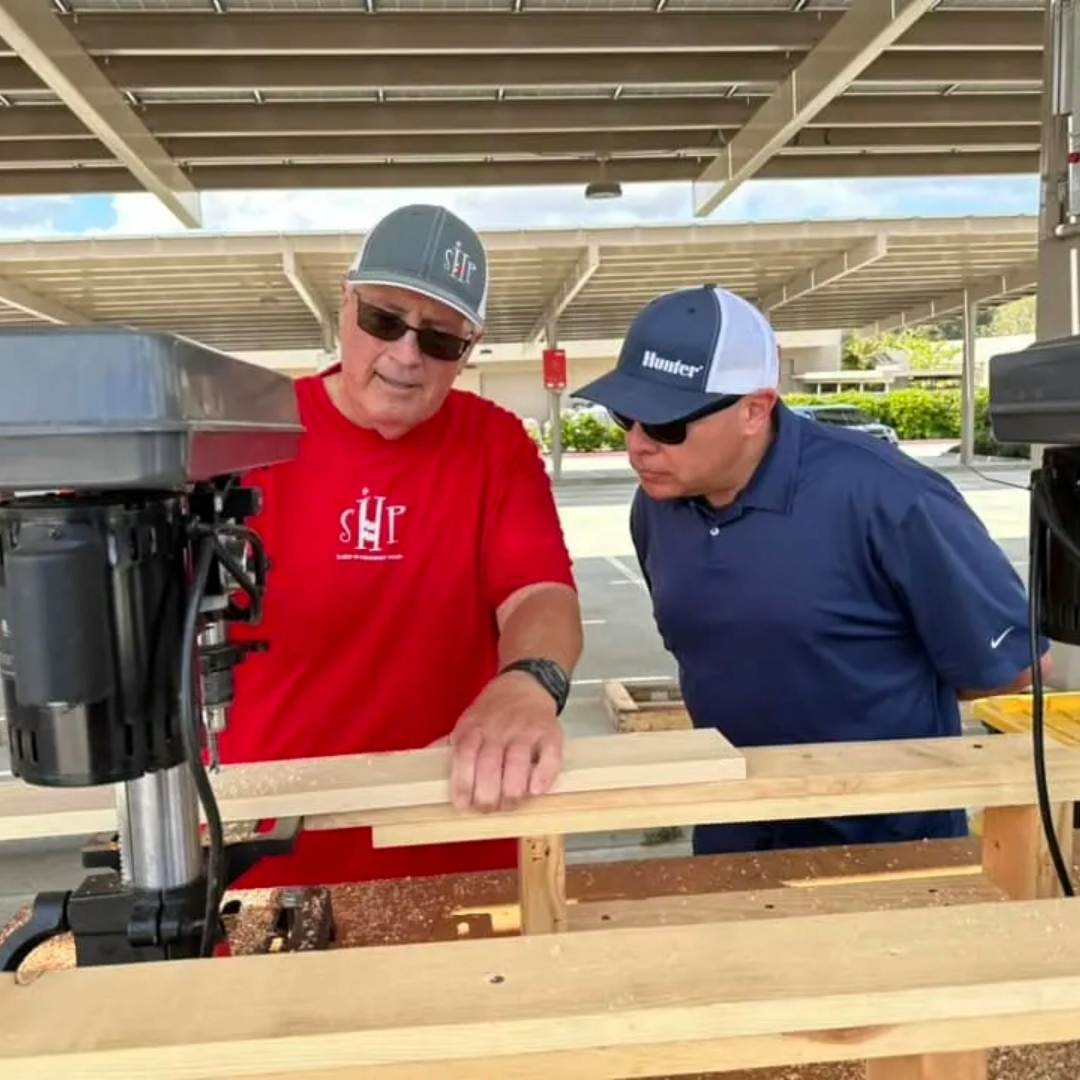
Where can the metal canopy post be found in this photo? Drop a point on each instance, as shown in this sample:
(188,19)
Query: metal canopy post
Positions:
(967,381)
(555,412)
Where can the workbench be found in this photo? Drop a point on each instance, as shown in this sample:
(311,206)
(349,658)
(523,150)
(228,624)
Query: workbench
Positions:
(921,960)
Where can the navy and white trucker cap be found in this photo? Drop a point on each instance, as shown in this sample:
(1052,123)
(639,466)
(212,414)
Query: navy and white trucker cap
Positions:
(685,350)
(429,250)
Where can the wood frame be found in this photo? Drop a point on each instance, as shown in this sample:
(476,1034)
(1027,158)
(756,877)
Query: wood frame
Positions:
(925,988)
(645,705)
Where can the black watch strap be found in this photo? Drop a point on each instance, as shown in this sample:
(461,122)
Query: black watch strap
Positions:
(548,674)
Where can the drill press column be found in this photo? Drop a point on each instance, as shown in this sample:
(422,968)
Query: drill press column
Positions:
(158,827)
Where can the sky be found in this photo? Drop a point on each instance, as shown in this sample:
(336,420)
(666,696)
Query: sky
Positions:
(521,207)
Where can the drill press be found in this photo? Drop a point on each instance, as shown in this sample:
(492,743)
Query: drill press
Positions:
(124,555)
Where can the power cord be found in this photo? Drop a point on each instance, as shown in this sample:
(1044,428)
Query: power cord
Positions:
(211,545)
(1044,520)
(191,727)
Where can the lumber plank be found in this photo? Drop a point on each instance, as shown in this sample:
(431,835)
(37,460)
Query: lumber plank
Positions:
(700,1057)
(621,988)
(783,782)
(402,779)
(893,891)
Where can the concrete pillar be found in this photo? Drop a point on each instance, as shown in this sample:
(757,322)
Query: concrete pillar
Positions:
(1058,304)
(967,382)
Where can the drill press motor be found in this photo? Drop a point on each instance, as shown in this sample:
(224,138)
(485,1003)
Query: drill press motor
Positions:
(124,555)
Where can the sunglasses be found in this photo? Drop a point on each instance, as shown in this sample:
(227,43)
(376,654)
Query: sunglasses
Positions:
(389,326)
(673,432)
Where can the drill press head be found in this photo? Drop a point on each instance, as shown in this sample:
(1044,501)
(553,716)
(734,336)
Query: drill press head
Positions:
(1035,399)
(122,452)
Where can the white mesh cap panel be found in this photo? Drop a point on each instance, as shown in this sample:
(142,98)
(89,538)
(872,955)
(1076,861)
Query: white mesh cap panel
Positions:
(747,357)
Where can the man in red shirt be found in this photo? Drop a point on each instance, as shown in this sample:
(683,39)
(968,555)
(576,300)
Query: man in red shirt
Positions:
(420,587)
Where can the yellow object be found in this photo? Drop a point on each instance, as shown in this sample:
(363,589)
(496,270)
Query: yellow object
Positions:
(1012,713)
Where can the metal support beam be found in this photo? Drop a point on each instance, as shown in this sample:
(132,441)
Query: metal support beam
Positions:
(1020,280)
(563,297)
(858,39)
(967,380)
(826,273)
(494,33)
(47,47)
(298,279)
(14,295)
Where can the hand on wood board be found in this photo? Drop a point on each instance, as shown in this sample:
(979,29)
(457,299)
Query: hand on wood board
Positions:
(507,745)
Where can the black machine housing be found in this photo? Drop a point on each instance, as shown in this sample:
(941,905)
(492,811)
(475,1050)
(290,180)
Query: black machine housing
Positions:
(123,549)
(1035,399)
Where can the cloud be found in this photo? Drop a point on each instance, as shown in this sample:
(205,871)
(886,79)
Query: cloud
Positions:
(35,217)
(565,207)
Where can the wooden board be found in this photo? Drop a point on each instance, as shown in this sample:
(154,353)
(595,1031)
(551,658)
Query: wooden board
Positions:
(645,705)
(576,995)
(371,782)
(825,779)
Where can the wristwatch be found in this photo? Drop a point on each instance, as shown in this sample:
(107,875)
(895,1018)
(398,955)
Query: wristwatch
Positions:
(548,674)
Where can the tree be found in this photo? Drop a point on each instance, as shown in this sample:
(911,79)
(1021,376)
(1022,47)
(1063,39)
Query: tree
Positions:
(924,350)
(1015,317)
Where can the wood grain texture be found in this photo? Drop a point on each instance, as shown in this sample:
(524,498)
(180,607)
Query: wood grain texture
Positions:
(818,780)
(364,783)
(567,994)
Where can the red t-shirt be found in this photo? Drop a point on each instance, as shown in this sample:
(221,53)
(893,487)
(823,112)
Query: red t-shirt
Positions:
(388,561)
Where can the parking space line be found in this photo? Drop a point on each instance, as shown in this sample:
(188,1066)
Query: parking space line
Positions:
(627,574)
(622,678)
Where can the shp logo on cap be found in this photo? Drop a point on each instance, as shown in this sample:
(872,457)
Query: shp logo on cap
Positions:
(652,359)
(459,264)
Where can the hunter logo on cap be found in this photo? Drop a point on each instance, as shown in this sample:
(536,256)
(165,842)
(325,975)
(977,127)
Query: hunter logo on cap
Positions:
(652,359)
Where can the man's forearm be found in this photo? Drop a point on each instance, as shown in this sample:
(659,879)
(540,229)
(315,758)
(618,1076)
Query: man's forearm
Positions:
(541,621)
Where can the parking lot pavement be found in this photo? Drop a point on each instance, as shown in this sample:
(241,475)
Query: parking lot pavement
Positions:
(621,642)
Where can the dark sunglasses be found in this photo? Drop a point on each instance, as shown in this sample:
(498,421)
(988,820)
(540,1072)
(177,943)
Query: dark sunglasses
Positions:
(389,326)
(673,432)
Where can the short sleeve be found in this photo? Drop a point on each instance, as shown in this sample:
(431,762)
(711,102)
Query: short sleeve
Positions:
(523,537)
(966,602)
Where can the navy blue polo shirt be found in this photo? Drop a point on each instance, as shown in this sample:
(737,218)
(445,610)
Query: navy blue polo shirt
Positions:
(848,593)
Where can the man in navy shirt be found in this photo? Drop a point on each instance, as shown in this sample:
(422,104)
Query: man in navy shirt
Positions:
(813,584)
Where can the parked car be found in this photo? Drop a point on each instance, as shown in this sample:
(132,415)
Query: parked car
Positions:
(848,416)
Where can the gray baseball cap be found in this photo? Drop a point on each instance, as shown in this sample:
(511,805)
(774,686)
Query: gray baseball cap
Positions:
(431,251)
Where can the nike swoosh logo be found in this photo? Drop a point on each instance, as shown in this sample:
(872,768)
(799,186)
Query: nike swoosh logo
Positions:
(996,641)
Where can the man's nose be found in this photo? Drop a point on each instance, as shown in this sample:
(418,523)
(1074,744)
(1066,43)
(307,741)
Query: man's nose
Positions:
(406,350)
(637,442)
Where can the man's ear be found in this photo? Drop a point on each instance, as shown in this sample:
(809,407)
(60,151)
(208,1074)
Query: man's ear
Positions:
(760,408)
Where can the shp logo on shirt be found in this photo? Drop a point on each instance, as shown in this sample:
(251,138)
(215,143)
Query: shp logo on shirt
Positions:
(370,529)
